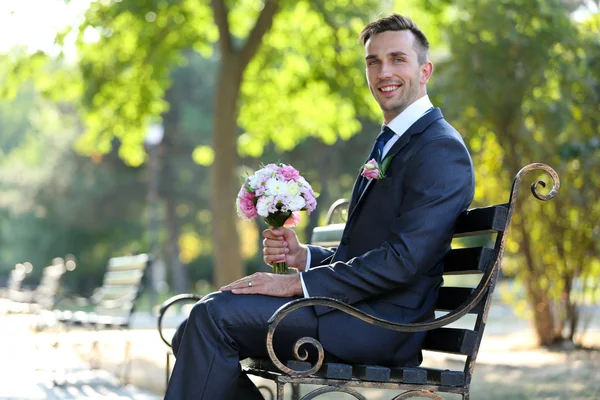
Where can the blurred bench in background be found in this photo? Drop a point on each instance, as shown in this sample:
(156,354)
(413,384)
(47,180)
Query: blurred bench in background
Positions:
(111,307)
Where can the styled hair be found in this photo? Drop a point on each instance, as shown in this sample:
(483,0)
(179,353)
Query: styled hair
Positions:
(396,22)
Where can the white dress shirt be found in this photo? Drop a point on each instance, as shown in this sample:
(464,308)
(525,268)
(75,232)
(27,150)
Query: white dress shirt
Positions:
(399,125)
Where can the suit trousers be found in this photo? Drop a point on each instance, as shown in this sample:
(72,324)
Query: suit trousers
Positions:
(224,328)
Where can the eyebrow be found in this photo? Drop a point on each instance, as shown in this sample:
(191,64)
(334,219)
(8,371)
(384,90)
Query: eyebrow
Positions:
(392,54)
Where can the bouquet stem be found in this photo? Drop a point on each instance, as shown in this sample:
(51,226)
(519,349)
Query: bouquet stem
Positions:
(280,268)
(276,220)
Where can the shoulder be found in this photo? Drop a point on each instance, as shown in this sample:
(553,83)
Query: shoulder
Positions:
(440,135)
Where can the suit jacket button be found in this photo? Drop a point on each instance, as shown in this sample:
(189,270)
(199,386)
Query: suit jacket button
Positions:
(345,241)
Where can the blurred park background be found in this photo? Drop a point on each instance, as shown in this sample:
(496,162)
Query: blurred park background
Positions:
(125,126)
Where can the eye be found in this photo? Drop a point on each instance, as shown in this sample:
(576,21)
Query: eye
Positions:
(372,62)
(398,60)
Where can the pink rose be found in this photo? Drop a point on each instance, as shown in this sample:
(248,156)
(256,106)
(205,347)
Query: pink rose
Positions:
(309,197)
(293,220)
(289,173)
(247,204)
(370,170)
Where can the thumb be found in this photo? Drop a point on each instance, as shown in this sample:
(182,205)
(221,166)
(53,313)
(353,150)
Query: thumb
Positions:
(289,234)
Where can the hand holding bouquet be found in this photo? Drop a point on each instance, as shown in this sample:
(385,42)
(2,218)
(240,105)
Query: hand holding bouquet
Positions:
(276,192)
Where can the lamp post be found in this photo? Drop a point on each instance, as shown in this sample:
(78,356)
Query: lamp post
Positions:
(154,137)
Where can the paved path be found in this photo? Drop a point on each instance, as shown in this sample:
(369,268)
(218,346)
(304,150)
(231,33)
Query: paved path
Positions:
(28,363)
(27,360)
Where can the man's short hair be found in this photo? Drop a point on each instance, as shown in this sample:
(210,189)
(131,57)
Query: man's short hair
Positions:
(396,22)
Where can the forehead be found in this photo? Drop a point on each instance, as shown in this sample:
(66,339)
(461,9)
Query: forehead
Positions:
(387,42)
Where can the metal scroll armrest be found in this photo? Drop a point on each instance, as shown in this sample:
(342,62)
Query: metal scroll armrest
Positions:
(287,308)
(186,297)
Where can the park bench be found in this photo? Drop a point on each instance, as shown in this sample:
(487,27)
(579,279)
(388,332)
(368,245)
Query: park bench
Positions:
(111,306)
(480,236)
(46,293)
(13,292)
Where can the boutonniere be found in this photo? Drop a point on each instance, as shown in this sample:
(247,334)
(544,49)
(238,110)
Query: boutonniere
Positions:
(374,170)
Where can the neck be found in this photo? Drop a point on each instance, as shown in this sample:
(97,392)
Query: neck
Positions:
(388,117)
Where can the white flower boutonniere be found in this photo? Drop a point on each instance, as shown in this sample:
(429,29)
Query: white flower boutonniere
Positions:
(374,170)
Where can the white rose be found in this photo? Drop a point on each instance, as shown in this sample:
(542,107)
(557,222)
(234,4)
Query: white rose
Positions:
(263,204)
(293,189)
(296,203)
(276,187)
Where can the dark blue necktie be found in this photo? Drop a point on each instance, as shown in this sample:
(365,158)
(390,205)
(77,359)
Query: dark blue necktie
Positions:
(383,137)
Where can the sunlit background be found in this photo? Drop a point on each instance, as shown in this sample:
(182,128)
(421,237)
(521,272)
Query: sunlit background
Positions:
(114,141)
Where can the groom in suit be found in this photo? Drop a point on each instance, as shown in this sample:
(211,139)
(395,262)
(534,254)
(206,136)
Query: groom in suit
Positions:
(390,259)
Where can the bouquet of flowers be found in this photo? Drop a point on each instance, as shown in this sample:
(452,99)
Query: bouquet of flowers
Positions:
(277,193)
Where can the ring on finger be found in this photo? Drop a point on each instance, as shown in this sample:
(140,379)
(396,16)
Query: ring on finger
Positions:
(250,284)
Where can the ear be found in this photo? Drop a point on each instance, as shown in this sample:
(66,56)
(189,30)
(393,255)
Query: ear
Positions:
(426,72)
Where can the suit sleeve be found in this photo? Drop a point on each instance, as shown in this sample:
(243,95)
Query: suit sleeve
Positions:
(438,185)
(320,255)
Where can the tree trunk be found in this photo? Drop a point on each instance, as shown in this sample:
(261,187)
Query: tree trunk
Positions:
(543,317)
(539,301)
(224,181)
(181,280)
(226,250)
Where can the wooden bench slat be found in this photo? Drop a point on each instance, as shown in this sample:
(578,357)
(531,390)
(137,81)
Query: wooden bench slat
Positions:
(335,371)
(117,292)
(126,267)
(373,373)
(451,297)
(445,377)
(409,375)
(470,260)
(132,278)
(451,340)
(328,235)
(479,221)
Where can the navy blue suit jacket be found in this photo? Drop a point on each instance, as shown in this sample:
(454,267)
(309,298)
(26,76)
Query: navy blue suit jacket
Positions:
(390,259)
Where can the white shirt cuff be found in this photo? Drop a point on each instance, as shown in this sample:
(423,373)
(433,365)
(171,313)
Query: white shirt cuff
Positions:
(307,267)
(306,295)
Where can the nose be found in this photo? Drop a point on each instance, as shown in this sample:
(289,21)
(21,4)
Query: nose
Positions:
(385,71)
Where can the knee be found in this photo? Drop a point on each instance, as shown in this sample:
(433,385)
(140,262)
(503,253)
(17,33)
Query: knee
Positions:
(213,306)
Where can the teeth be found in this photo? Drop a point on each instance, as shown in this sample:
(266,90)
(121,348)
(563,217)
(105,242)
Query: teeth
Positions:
(388,88)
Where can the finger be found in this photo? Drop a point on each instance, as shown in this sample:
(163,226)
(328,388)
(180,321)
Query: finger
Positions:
(275,250)
(274,260)
(239,283)
(257,288)
(272,234)
(274,243)
(270,260)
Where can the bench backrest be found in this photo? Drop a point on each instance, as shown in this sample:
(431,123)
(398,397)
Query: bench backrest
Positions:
(477,249)
(15,279)
(472,257)
(47,292)
(122,285)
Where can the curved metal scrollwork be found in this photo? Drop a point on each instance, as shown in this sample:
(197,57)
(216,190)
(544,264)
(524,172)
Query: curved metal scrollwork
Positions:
(302,341)
(186,297)
(338,210)
(444,320)
(418,393)
(333,389)
(268,390)
(534,186)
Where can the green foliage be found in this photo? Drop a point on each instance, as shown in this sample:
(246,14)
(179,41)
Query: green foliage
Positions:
(307,79)
(522,83)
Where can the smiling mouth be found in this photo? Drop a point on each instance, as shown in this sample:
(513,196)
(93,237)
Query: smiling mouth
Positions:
(388,89)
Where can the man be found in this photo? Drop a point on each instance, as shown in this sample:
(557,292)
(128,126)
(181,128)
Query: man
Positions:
(390,259)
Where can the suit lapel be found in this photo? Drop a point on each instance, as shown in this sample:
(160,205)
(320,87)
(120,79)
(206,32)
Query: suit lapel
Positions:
(418,127)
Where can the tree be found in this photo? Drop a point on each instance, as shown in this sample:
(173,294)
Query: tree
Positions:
(290,58)
(522,81)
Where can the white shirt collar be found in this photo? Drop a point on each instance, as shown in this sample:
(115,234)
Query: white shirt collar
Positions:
(410,115)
